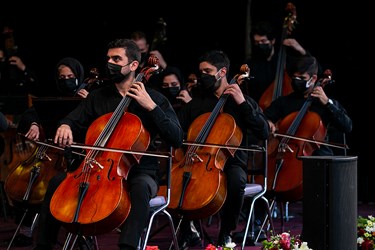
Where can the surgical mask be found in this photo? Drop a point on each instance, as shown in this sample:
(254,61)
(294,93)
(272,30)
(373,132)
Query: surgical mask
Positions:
(209,82)
(299,85)
(67,86)
(262,51)
(171,93)
(114,72)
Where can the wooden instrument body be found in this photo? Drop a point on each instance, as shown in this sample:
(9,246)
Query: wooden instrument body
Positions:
(106,202)
(206,191)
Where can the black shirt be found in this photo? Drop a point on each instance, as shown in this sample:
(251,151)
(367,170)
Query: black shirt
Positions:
(331,115)
(161,121)
(247,116)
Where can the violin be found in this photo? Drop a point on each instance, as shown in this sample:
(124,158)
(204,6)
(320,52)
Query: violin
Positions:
(94,199)
(284,165)
(190,196)
(282,84)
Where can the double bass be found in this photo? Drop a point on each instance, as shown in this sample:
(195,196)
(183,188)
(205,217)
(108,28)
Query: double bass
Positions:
(198,182)
(281,86)
(301,129)
(94,199)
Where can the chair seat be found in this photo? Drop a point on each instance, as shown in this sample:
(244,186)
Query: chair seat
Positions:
(157,201)
(253,189)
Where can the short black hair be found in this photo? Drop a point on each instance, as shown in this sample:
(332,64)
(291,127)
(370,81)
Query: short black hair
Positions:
(303,64)
(263,28)
(217,58)
(131,49)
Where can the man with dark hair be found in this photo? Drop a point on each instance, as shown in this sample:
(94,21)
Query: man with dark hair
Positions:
(213,83)
(156,115)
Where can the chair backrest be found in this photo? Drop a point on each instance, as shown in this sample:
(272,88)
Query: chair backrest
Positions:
(257,163)
(160,203)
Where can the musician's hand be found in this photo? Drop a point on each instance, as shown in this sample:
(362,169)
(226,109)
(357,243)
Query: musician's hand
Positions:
(82,93)
(235,91)
(319,93)
(138,92)
(162,62)
(184,96)
(15,60)
(33,132)
(291,42)
(64,135)
(273,127)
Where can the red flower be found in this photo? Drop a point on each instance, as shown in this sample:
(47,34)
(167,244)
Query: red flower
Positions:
(368,245)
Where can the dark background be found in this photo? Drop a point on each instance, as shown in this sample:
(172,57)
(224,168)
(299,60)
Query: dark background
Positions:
(336,34)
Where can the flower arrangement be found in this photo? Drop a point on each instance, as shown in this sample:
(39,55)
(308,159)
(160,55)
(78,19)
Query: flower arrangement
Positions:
(229,246)
(366,232)
(284,241)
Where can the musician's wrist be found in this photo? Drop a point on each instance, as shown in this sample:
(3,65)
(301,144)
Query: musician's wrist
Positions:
(35,124)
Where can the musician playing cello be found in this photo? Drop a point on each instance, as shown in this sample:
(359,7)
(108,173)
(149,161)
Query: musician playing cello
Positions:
(304,74)
(213,68)
(156,115)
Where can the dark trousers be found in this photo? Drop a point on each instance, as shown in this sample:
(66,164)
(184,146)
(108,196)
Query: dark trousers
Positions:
(230,213)
(142,188)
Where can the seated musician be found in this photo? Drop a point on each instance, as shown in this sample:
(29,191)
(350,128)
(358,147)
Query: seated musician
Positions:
(213,83)
(157,117)
(69,77)
(304,74)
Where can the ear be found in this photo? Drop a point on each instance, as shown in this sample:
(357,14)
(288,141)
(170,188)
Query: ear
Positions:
(314,78)
(223,72)
(134,65)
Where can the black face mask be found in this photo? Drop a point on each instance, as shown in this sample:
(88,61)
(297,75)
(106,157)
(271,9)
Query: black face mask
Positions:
(114,72)
(67,86)
(300,86)
(262,51)
(171,93)
(208,82)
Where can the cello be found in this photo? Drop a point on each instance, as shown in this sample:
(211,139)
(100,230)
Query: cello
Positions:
(284,165)
(94,199)
(189,196)
(16,150)
(27,182)
(281,86)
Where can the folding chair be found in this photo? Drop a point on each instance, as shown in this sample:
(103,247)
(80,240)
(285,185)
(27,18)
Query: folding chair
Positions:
(255,191)
(84,242)
(159,205)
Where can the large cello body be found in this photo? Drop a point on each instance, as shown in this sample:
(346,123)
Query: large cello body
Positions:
(16,149)
(284,165)
(94,199)
(198,182)
(28,180)
(282,84)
